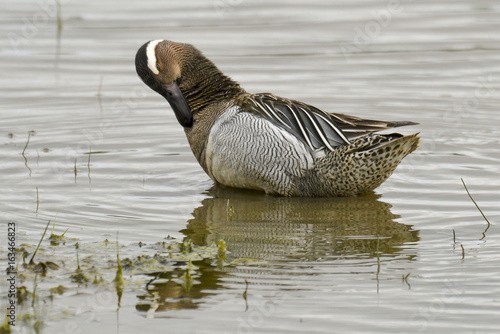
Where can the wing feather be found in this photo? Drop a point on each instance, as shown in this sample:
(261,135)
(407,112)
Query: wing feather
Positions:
(316,128)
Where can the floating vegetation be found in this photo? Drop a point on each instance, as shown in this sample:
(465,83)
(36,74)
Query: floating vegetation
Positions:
(221,252)
(79,277)
(186,279)
(244,295)
(59,18)
(119,281)
(245,261)
(27,143)
(59,290)
(54,238)
(5,328)
(404,279)
(229,211)
(33,295)
(24,150)
(119,271)
(76,171)
(168,265)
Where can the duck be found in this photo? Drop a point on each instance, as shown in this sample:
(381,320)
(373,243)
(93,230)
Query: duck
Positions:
(265,142)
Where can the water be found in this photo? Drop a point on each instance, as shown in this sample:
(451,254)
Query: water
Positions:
(381,263)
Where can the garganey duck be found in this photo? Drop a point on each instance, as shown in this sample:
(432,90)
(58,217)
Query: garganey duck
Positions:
(265,142)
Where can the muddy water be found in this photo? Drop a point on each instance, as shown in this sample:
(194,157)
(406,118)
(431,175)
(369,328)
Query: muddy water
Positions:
(106,155)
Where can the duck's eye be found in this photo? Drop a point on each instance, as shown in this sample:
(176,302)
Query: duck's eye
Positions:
(158,67)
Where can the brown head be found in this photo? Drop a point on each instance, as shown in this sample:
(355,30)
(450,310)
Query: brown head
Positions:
(184,76)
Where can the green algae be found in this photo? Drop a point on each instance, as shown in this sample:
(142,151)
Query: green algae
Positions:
(55,239)
(5,328)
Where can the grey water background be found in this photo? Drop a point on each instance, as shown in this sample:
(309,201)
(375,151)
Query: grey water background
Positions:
(321,271)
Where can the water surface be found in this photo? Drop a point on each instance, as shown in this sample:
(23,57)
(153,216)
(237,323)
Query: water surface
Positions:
(384,262)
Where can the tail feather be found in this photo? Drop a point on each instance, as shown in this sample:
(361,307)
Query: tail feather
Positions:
(364,164)
(354,127)
(393,141)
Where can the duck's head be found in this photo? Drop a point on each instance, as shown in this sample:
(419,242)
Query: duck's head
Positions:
(160,64)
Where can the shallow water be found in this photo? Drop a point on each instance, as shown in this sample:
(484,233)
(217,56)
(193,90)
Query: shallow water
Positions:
(314,265)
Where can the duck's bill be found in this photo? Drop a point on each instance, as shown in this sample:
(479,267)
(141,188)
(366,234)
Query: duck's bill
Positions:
(178,103)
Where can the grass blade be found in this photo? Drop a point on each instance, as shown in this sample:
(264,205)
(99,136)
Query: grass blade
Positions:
(473,201)
(40,242)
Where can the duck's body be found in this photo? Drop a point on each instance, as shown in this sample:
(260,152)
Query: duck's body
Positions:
(264,142)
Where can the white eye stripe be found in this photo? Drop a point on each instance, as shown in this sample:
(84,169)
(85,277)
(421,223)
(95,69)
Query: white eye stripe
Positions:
(150,54)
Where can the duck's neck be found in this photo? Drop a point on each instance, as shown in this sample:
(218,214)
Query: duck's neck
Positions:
(205,84)
(208,92)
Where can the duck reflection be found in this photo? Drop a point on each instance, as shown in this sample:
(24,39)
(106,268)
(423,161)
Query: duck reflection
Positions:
(277,230)
(304,229)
